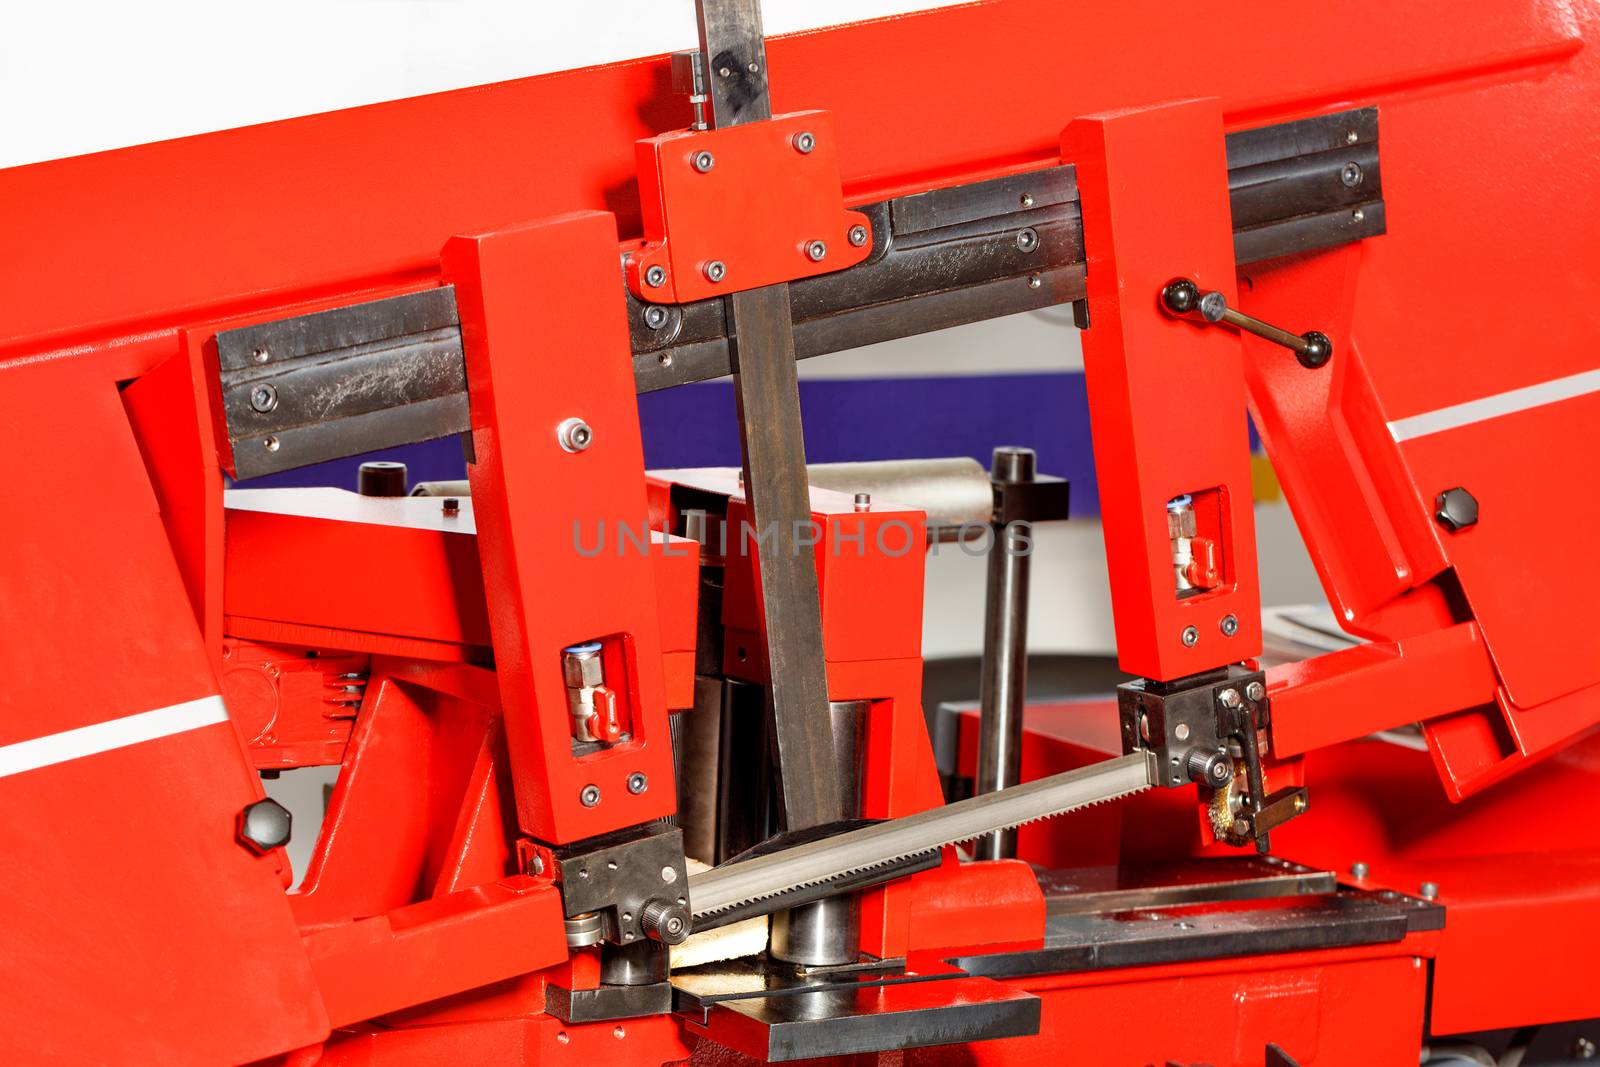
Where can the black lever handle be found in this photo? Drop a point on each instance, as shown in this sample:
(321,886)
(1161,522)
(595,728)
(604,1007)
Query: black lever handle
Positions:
(1182,297)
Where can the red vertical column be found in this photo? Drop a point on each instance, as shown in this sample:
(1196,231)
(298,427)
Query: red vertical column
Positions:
(545,332)
(1166,396)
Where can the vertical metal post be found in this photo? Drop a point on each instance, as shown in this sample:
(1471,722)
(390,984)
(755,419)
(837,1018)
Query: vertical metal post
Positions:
(1005,649)
(776,490)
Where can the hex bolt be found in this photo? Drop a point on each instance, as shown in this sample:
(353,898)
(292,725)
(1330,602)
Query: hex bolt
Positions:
(863,502)
(655,316)
(637,783)
(1584,1049)
(264,397)
(450,507)
(1455,509)
(1351,175)
(715,270)
(1358,871)
(1255,691)
(1229,698)
(703,161)
(1428,890)
(1027,239)
(804,142)
(590,796)
(264,826)
(1230,625)
(574,435)
(1191,636)
(816,251)
(858,235)
(656,276)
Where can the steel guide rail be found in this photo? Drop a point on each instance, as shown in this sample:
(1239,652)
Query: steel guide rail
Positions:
(941,258)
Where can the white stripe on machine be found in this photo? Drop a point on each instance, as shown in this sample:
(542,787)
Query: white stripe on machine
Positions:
(1490,407)
(112,734)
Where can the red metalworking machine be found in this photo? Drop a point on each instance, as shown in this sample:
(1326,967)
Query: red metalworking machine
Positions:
(513,679)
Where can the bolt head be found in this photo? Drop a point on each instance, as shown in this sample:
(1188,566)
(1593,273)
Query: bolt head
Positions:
(1229,625)
(715,270)
(272,444)
(450,506)
(655,316)
(1191,636)
(817,251)
(1584,1049)
(1026,200)
(1255,691)
(1357,215)
(1428,890)
(703,161)
(858,235)
(575,435)
(1455,509)
(669,874)
(804,142)
(1351,175)
(264,826)
(1027,239)
(656,276)
(637,783)
(261,355)
(1182,731)
(590,796)
(1229,698)
(1212,305)
(264,397)
(1358,870)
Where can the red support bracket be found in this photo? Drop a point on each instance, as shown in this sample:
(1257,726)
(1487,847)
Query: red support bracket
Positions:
(743,207)
(1167,397)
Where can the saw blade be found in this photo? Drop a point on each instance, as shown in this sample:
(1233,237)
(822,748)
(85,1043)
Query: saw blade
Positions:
(742,884)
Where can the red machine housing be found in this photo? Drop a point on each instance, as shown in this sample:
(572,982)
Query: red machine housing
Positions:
(136,602)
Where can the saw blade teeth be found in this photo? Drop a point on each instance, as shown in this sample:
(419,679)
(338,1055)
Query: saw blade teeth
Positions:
(889,860)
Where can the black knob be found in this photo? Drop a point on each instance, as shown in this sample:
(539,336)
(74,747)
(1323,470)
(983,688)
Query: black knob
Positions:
(381,478)
(1317,352)
(666,921)
(1209,768)
(1455,509)
(1181,296)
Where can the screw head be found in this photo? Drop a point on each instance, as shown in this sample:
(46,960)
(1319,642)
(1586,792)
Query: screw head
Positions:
(271,443)
(816,251)
(261,355)
(858,235)
(1229,625)
(1212,305)
(1027,239)
(637,783)
(574,435)
(1255,691)
(655,316)
(1352,137)
(1191,636)
(669,874)
(1026,200)
(1182,731)
(656,276)
(1428,890)
(804,142)
(1455,509)
(590,796)
(715,270)
(264,826)
(264,397)
(1358,870)
(1351,175)
(703,161)
(1357,215)
(1229,698)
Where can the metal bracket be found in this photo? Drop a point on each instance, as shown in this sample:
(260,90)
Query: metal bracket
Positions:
(742,207)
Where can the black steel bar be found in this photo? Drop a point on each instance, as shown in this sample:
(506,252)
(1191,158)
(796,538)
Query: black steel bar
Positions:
(777,493)
(1004,684)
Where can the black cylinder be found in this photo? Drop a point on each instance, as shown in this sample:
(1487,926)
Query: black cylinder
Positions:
(381,478)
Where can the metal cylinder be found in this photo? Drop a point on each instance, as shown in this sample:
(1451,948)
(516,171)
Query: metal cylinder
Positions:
(954,493)
(827,932)
(1004,683)
(640,963)
(381,478)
